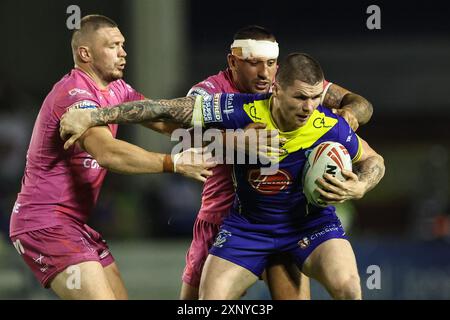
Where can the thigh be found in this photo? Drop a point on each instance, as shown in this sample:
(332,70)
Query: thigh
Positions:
(49,251)
(224,280)
(115,281)
(284,279)
(203,237)
(83,281)
(332,263)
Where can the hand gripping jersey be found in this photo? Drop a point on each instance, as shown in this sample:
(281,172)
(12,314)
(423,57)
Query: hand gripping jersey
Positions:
(275,202)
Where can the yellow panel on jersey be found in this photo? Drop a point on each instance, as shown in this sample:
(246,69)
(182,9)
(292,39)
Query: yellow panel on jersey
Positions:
(302,138)
(359,152)
(197,114)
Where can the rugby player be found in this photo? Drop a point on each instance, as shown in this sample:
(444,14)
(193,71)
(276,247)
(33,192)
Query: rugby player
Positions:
(292,111)
(60,188)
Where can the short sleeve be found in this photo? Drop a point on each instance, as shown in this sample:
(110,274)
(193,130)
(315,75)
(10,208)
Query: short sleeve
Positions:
(349,139)
(76,99)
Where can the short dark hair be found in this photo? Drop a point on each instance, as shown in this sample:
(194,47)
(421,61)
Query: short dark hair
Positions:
(254,32)
(91,23)
(299,66)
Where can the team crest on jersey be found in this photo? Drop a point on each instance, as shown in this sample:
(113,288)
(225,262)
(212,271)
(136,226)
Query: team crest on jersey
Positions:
(304,243)
(221,238)
(269,184)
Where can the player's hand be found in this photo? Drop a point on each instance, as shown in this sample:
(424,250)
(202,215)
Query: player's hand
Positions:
(334,191)
(347,113)
(194,163)
(265,144)
(73,124)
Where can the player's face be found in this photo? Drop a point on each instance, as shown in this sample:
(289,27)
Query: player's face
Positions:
(253,76)
(108,54)
(297,102)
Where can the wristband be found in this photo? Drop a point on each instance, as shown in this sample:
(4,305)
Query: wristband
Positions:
(168,165)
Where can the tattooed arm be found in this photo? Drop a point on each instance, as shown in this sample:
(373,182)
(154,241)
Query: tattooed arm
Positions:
(354,108)
(76,121)
(367,173)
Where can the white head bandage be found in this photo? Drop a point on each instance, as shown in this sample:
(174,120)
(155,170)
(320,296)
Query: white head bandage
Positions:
(255,49)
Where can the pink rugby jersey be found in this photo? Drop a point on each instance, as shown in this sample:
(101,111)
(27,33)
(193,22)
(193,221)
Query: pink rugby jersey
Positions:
(63,184)
(218,190)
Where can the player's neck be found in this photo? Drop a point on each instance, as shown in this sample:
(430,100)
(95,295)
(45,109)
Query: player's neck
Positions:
(277,116)
(93,75)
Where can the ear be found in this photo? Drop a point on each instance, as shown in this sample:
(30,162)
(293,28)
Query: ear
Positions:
(84,54)
(231,61)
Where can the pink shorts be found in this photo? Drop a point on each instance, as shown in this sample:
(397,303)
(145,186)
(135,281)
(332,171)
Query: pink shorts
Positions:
(50,251)
(203,238)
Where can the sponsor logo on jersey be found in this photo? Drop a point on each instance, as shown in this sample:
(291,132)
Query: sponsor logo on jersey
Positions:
(75,91)
(207,110)
(221,238)
(84,104)
(217,112)
(269,184)
(229,107)
(320,123)
(325,230)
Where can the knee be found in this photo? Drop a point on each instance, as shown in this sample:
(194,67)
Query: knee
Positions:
(347,288)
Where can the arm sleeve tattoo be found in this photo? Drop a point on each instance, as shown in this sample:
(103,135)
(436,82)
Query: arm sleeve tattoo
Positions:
(338,97)
(370,170)
(175,110)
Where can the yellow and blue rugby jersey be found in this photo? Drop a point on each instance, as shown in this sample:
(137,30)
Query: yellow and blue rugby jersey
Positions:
(276,199)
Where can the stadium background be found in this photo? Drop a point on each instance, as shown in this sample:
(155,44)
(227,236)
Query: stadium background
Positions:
(403,226)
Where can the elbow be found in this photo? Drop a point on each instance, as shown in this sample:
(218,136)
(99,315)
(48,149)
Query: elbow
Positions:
(369,107)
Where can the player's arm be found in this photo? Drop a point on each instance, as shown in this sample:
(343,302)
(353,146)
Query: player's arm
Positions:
(368,170)
(165,128)
(352,107)
(76,121)
(122,157)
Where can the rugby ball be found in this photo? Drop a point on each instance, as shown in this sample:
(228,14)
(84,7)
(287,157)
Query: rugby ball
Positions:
(328,157)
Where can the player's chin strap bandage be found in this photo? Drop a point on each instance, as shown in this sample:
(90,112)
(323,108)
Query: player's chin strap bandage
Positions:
(255,49)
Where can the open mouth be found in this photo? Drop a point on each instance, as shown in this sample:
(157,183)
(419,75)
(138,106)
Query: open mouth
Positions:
(261,85)
(302,117)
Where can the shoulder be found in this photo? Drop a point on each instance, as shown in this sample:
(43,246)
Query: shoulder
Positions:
(122,85)
(213,84)
(71,90)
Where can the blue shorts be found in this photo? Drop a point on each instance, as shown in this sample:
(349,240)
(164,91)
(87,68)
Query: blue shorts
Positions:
(251,249)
